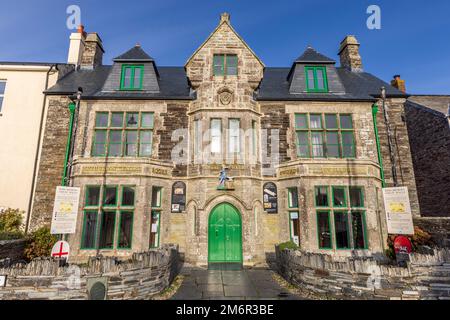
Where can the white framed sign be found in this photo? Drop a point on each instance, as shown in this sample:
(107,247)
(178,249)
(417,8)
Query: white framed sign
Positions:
(398,211)
(3,281)
(65,210)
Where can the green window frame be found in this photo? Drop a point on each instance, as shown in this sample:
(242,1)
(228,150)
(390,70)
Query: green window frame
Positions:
(156,197)
(122,193)
(87,196)
(123,230)
(293,198)
(319,81)
(112,136)
(352,224)
(107,230)
(155,237)
(363,230)
(89,243)
(225,64)
(105,190)
(135,80)
(341,227)
(320,233)
(333,193)
(321,136)
(316,194)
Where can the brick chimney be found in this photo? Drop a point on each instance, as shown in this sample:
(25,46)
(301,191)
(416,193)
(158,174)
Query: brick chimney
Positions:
(76,47)
(349,54)
(93,52)
(398,83)
(86,49)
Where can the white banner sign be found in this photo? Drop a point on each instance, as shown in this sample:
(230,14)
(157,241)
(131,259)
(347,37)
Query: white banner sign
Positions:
(65,210)
(398,211)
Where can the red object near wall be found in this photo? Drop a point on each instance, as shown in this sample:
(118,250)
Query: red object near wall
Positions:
(402,245)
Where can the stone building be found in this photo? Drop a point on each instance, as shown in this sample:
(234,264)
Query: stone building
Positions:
(428,120)
(295,148)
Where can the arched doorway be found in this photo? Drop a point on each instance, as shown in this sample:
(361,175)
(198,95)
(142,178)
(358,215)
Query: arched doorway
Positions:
(225,237)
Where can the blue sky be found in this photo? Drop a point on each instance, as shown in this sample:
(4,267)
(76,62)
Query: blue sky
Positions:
(414,40)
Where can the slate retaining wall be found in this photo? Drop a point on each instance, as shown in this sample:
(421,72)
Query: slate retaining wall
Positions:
(12,250)
(426,276)
(145,275)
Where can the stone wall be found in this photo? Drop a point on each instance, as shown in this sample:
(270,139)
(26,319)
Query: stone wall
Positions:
(438,228)
(401,149)
(145,275)
(426,276)
(429,135)
(51,163)
(12,250)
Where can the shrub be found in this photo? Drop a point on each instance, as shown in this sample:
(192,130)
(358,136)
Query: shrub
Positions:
(11,224)
(288,245)
(420,238)
(39,243)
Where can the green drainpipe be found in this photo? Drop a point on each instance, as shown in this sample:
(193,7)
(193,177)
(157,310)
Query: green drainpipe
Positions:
(380,159)
(72,108)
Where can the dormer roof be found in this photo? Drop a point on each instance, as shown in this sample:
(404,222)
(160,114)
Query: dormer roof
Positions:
(313,57)
(135,54)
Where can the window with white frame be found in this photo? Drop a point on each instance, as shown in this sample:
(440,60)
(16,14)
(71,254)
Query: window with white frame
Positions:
(2,92)
(216,135)
(234,136)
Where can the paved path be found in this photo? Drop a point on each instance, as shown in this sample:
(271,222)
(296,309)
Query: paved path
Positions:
(248,284)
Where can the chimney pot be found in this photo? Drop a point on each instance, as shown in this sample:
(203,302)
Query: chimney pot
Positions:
(398,83)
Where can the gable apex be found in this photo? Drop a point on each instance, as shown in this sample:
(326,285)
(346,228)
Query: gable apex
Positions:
(224,20)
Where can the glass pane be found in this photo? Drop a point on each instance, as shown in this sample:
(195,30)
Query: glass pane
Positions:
(117,120)
(1,103)
(101,120)
(107,230)
(125,230)
(131,140)
(303,151)
(154,232)
(332,138)
(145,148)
(218,64)
(147,120)
(234,135)
(232,65)
(127,196)
(100,136)
(358,222)
(331,121)
(356,197)
(90,226)
(293,198)
(324,230)
(115,143)
(115,150)
(320,79)
(156,197)
(92,196)
(115,136)
(346,122)
(310,76)
(341,230)
(339,197)
(127,77)
(316,121)
(322,196)
(110,196)
(2,87)
(137,78)
(300,121)
(146,136)
(333,145)
(303,144)
(216,136)
(317,144)
(348,144)
(302,137)
(132,120)
(99,149)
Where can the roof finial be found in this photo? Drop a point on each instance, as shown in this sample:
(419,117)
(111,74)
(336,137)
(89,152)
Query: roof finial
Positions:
(225,17)
(137,44)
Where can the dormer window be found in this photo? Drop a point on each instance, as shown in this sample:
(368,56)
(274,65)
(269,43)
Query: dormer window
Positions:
(225,65)
(316,79)
(132,77)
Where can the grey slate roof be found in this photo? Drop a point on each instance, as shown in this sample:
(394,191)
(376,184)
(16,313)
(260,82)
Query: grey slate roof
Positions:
(312,56)
(173,85)
(358,86)
(135,54)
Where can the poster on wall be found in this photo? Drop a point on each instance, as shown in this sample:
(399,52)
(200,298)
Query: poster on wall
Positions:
(178,197)
(270,197)
(398,211)
(65,210)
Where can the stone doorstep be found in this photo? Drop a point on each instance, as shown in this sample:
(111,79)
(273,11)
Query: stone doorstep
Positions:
(410,293)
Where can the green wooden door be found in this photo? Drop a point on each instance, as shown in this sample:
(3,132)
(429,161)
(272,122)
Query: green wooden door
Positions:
(225,235)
